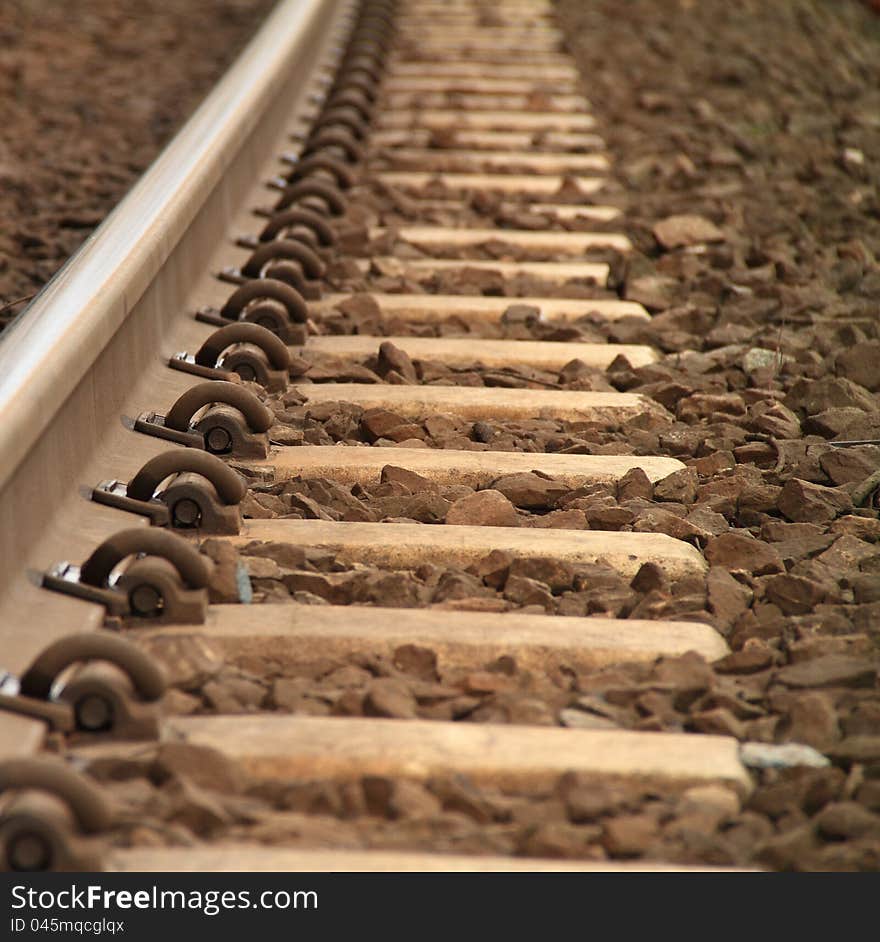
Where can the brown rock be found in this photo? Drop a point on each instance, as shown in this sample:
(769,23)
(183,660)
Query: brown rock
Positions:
(360,305)
(657,706)
(585,802)
(868,794)
(629,835)
(529,490)
(830,671)
(195,809)
(554,573)
(866,588)
(334,587)
(224,583)
(713,464)
(457,793)
(484,682)
(606,518)
(489,508)
(790,850)
(657,520)
(418,661)
(736,551)
(261,567)
(855,645)
(493,569)
(773,418)
(655,292)
(680,486)
(717,722)
(689,229)
(802,501)
(377,791)
(756,499)
(850,465)
(778,531)
(392,358)
(727,598)
(234,694)
(712,523)
(859,364)
(848,820)
(559,520)
(178,703)
(794,595)
(458,585)
(832,392)
(635,484)
(689,674)
(863,528)
(377,423)
(863,748)
(201,765)
(711,804)
(285,554)
(750,660)
(389,697)
(812,719)
(797,789)
(414,483)
(408,801)
(556,840)
(650,578)
(847,422)
(707,406)
(525,591)
(253,509)
(848,551)
(521,314)
(310,509)
(287,692)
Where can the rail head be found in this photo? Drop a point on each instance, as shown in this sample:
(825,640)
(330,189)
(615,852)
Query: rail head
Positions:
(51,347)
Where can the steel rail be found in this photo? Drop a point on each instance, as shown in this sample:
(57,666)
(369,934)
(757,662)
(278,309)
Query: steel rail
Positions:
(72,362)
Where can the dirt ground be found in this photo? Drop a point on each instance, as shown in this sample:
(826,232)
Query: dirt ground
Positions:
(90,91)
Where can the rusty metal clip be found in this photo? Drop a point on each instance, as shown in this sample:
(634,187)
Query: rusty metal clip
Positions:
(351,98)
(314,193)
(290,248)
(273,304)
(358,80)
(292,261)
(50,816)
(117,696)
(250,351)
(167,585)
(342,116)
(323,164)
(335,139)
(204,493)
(239,430)
(300,222)
(258,356)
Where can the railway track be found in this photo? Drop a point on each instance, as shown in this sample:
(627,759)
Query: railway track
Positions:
(326,543)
